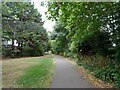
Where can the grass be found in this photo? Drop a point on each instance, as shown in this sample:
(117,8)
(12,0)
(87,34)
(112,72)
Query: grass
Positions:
(35,72)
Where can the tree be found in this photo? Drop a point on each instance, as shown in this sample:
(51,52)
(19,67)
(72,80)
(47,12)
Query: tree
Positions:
(84,19)
(58,39)
(22,24)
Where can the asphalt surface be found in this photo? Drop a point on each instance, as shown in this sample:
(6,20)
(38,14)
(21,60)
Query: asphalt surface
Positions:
(67,75)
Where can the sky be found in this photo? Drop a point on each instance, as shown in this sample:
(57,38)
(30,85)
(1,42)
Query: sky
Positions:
(48,24)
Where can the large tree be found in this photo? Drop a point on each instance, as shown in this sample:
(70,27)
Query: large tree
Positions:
(22,24)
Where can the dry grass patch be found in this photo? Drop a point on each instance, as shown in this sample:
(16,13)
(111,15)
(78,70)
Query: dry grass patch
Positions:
(15,68)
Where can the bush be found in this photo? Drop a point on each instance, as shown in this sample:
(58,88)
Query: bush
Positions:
(96,43)
(109,74)
(103,68)
(117,54)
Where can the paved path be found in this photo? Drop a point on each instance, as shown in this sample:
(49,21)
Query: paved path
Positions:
(67,75)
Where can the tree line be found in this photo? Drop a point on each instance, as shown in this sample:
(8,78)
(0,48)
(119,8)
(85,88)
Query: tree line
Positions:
(23,32)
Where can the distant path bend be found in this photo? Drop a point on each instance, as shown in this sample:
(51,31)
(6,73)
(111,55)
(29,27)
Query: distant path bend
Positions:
(67,75)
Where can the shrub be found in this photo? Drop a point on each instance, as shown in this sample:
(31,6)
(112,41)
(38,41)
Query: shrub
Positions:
(117,54)
(96,43)
(109,74)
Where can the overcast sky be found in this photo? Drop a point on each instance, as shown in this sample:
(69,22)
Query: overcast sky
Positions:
(48,24)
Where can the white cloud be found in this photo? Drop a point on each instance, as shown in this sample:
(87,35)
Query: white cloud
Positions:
(48,24)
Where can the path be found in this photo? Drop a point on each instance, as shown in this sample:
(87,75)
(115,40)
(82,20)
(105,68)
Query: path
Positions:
(67,75)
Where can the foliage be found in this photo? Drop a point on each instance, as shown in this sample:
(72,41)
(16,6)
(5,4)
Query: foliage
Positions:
(109,74)
(84,19)
(103,68)
(117,54)
(97,43)
(58,39)
(23,27)
(93,29)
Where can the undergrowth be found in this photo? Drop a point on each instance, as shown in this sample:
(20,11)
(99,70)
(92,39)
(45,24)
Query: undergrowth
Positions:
(103,68)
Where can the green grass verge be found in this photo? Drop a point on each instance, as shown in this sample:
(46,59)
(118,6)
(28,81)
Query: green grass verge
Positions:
(37,76)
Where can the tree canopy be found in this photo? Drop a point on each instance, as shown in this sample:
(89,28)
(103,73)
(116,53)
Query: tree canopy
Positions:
(85,19)
(23,32)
